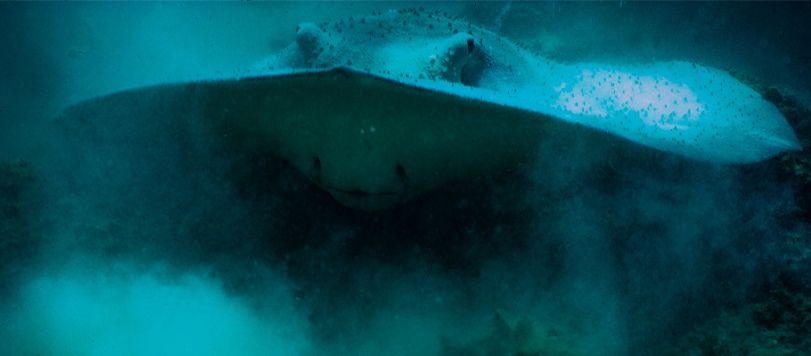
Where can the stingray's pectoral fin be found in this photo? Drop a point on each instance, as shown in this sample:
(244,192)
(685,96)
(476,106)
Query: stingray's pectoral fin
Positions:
(457,59)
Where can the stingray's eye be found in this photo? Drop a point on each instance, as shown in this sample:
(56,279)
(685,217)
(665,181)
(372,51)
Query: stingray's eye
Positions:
(471,45)
(401,172)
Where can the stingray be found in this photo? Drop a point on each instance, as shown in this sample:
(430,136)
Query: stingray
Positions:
(379,109)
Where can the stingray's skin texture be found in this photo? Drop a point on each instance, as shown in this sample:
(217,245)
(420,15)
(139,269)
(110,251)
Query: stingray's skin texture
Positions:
(379,109)
(679,107)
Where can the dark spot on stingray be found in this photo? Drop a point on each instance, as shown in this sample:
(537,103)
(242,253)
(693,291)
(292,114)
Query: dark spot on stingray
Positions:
(389,29)
(317,168)
(401,173)
(430,27)
(380,25)
(455,31)
(404,23)
(433,60)
(362,20)
(357,193)
(298,28)
(348,62)
(331,47)
(471,45)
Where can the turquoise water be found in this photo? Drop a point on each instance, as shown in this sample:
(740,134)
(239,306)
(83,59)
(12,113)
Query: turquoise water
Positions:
(127,231)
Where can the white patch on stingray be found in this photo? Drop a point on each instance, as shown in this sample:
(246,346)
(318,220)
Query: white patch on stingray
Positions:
(660,102)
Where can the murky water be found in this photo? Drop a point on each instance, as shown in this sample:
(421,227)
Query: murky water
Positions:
(124,230)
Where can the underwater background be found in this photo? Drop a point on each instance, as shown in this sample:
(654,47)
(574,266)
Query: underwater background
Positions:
(136,241)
